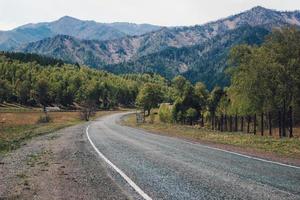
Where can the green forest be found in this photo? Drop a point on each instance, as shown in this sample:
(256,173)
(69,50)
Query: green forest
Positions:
(40,81)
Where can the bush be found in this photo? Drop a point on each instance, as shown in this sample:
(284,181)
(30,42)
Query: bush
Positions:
(152,118)
(44,119)
(165,113)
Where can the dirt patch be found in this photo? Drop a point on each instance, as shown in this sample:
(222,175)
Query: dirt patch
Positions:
(61,165)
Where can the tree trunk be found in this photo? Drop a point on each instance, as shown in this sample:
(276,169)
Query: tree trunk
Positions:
(236,123)
(279,123)
(226,126)
(254,124)
(270,123)
(230,123)
(248,124)
(242,124)
(290,122)
(222,123)
(262,124)
(284,120)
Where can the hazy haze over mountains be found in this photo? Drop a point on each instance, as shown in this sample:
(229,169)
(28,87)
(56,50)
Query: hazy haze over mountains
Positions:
(89,30)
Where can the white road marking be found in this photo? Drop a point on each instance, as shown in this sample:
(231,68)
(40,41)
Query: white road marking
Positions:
(251,157)
(230,152)
(127,179)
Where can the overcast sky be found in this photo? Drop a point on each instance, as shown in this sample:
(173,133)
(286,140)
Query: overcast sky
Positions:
(161,12)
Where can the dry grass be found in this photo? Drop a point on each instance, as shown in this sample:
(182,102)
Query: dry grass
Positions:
(284,147)
(16,127)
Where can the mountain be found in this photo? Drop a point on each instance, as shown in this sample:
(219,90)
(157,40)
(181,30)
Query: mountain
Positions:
(88,30)
(197,52)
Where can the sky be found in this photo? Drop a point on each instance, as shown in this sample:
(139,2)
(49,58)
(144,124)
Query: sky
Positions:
(14,13)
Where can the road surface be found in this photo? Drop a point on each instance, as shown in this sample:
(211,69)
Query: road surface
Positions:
(150,166)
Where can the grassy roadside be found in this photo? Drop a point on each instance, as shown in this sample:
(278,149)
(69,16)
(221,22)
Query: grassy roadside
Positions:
(282,147)
(23,125)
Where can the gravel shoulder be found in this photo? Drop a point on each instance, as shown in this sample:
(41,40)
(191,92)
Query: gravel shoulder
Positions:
(60,165)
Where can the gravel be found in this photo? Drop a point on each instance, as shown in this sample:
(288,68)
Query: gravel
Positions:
(61,165)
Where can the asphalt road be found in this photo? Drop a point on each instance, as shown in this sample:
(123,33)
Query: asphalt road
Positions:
(170,168)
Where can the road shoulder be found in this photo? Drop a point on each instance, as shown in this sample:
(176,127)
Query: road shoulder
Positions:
(60,165)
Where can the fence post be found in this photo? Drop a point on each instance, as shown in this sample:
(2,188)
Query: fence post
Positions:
(290,122)
(242,124)
(254,124)
(262,124)
(270,123)
(279,123)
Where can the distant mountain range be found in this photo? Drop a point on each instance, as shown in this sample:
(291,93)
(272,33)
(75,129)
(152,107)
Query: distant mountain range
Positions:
(198,52)
(88,30)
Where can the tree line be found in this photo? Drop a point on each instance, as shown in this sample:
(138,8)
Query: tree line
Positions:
(40,81)
(265,80)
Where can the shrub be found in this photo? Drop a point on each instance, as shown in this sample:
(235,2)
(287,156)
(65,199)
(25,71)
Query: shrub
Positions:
(152,118)
(44,119)
(165,113)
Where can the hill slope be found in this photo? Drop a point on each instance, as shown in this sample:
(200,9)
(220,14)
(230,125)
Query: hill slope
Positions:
(197,52)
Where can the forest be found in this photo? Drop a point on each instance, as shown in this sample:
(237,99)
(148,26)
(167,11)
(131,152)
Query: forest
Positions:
(265,85)
(34,80)
(264,80)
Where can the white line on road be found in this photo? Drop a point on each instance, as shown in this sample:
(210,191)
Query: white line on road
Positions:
(250,157)
(226,151)
(127,179)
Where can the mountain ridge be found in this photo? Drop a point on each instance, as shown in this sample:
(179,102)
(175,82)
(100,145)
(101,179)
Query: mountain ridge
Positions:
(128,51)
(82,29)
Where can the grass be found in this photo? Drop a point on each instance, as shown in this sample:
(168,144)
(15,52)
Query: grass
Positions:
(284,147)
(18,127)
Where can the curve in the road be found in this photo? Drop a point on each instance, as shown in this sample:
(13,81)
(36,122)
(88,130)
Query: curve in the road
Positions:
(169,168)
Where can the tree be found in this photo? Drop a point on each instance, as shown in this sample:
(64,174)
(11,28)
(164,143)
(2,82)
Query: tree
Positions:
(191,115)
(266,78)
(24,92)
(5,91)
(149,97)
(42,89)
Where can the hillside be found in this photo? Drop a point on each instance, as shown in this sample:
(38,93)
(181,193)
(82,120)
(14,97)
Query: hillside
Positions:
(202,49)
(89,30)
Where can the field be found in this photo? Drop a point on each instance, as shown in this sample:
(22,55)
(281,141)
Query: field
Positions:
(19,125)
(283,147)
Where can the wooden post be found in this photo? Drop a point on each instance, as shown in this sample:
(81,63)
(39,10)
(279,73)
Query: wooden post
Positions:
(279,123)
(236,123)
(262,124)
(254,124)
(270,123)
(242,124)
(290,113)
